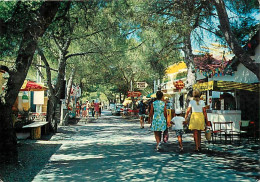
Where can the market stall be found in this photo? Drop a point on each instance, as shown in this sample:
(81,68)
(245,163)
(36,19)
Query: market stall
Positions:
(223,100)
(25,95)
(174,84)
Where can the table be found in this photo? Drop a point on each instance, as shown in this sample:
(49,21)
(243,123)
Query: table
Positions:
(35,129)
(226,116)
(225,130)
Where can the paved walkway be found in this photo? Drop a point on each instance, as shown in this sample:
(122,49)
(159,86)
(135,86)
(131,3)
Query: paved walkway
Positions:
(115,149)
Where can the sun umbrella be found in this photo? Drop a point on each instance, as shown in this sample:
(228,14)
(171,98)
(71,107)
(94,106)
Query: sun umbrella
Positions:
(149,95)
(153,95)
(32,86)
(127,102)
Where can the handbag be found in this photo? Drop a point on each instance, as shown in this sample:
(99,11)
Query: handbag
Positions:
(208,133)
(188,118)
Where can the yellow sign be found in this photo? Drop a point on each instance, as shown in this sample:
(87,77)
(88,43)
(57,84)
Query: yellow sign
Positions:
(204,86)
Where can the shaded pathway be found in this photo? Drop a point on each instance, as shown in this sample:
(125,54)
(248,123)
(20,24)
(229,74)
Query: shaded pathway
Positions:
(113,149)
(116,149)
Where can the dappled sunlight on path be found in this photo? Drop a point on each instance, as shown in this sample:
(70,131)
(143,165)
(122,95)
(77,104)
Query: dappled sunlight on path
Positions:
(113,149)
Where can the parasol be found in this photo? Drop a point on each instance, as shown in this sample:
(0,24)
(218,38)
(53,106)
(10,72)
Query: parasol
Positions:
(149,95)
(32,86)
(127,102)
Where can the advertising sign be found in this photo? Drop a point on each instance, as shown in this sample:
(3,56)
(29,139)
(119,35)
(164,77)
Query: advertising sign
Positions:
(141,85)
(134,94)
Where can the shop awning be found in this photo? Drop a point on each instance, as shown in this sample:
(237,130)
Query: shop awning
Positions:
(176,68)
(32,86)
(226,86)
(149,95)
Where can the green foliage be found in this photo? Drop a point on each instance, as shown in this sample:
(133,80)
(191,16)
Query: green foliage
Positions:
(120,41)
(10,17)
(181,75)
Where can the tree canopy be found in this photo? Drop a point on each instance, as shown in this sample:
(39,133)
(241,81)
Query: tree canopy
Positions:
(104,45)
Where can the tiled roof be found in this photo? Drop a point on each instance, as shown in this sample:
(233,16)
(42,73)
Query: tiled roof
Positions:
(208,62)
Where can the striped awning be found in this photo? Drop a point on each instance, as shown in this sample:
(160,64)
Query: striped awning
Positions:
(227,86)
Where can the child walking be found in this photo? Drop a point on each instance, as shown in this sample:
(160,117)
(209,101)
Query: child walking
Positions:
(178,122)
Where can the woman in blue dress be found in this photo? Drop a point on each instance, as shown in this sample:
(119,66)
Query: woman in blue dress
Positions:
(158,114)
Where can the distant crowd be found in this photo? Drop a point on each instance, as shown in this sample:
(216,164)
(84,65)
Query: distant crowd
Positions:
(83,110)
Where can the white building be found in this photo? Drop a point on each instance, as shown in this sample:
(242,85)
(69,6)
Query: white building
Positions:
(174,73)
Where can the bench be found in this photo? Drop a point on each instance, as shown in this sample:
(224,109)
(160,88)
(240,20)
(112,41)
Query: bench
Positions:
(35,129)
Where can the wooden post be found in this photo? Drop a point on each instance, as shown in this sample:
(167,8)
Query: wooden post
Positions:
(36,133)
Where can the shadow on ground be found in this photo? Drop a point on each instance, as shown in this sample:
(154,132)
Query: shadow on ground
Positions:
(131,162)
(32,157)
(124,152)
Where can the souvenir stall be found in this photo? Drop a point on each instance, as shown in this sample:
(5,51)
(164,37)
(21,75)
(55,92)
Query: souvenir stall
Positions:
(174,84)
(223,100)
(31,98)
(229,89)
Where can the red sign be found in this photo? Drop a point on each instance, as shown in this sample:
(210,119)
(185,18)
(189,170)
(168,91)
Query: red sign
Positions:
(179,85)
(134,94)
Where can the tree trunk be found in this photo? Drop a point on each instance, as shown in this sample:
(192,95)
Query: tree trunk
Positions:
(191,74)
(189,60)
(243,57)
(55,95)
(69,86)
(51,117)
(64,118)
(8,143)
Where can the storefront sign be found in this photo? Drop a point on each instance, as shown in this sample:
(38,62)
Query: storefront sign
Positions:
(179,85)
(38,97)
(134,94)
(25,98)
(204,86)
(141,85)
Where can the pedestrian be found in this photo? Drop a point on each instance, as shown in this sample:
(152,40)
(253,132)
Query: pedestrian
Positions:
(92,108)
(100,108)
(78,109)
(96,108)
(166,133)
(142,108)
(149,109)
(198,118)
(83,107)
(158,115)
(87,109)
(178,122)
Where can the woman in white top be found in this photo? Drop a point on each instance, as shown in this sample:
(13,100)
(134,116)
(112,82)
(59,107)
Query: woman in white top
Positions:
(198,117)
